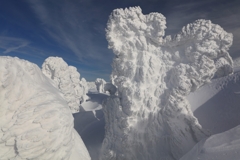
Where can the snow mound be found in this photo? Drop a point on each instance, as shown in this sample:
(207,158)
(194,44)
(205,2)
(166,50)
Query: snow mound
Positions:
(35,120)
(67,80)
(221,146)
(150,118)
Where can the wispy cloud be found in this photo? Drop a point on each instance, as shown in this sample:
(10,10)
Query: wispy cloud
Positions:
(11,44)
(70,24)
(15,46)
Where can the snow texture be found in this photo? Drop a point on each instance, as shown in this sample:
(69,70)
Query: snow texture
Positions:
(150,117)
(92,87)
(216,105)
(221,146)
(105,87)
(67,80)
(236,64)
(100,83)
(35,120)
(90,123)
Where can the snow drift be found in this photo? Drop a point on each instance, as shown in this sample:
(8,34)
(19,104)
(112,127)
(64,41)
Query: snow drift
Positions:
(150,117)
(216,105)
(221,146)
(90,123)
(35,120)
(67,80)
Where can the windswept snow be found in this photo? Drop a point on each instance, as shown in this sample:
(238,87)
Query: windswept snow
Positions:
(167,95)
(90,123)
(35,120)
(223,146)
(216,105)
(150,117)
(67,80)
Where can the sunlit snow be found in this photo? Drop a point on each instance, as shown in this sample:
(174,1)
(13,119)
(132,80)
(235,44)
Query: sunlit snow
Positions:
(169,98)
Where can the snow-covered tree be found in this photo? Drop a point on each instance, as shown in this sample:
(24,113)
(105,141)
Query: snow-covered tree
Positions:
(151,117)
(35,120)
(67,80)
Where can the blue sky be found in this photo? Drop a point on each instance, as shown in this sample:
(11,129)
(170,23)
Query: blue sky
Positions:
(75,29)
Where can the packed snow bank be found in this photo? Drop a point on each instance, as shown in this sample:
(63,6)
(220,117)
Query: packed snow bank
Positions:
(150,118)
(216,105)
(35,120)
(67,80)
(223,146)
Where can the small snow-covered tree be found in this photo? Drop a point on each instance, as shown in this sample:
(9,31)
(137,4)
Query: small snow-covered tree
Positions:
(67,80)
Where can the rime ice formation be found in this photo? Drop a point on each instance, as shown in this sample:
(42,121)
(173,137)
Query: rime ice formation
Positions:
(67,80)
(236,64)
(35,121)
(92,87)
(221,146)
(105,87)
(83,90)
(150,118)
(100,83)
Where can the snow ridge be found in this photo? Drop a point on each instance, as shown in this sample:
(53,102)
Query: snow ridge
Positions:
(35,120)
(150,117)
(67,80)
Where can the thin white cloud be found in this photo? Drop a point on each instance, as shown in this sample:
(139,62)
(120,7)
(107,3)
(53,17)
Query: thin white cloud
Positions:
(8,50)
(20,46)
(12,44)
(68,23)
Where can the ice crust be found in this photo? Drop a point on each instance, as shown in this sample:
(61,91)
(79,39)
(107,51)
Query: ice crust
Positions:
(35,120)
(150,118)
(67,80)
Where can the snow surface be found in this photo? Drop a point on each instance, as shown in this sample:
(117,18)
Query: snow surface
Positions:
(89,123)
(35,120)
(223,146)
(216,105)
(150,117)
(67,80)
